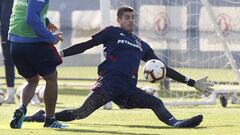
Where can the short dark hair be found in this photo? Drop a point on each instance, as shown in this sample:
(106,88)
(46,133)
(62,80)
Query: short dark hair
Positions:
(123,9)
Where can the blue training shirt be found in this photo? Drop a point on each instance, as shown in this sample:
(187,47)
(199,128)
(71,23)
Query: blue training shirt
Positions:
(123,51)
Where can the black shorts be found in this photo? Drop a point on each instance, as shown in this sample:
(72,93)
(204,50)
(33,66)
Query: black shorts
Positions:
(113,84)
(117,87)
(33,59)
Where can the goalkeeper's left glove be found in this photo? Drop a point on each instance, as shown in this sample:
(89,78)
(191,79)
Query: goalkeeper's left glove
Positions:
(203,86)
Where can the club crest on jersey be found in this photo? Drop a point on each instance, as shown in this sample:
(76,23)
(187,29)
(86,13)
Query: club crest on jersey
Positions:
(130,44)
(122,34)
(138,43)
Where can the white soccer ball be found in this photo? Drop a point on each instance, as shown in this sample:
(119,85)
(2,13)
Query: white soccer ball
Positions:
(40,92)
(154,70)
(1,97)
(38,96)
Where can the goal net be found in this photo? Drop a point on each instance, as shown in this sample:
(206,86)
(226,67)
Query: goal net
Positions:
(196,37)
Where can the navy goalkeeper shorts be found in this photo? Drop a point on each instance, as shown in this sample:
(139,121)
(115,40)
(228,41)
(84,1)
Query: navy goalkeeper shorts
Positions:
(114,85)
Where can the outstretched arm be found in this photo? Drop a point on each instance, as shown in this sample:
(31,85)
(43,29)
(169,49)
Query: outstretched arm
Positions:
(202,84)
(100,38)
(78,48)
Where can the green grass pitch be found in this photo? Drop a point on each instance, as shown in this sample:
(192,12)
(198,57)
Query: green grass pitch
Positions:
(217,120)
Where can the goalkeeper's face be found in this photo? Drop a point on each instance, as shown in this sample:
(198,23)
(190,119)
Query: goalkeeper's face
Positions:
(126,21)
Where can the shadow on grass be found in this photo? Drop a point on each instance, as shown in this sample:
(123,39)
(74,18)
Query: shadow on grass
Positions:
(232,107)
(118,125)
(103,132)
(80,92)
(219,126)
(130,126)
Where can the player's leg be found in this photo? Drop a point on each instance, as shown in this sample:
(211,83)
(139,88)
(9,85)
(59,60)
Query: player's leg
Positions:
(27,94)
(139,99)
(50,94)
(29,90)
(108,87)
(50,99)
(19,57)
(103,91)
(95,100)
(48,59)
(9,73)
(38,116)
(5,13)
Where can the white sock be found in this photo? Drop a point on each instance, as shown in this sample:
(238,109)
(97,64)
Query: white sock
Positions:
(10,91)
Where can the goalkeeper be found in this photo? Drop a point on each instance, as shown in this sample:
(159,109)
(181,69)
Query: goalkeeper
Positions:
(118,75)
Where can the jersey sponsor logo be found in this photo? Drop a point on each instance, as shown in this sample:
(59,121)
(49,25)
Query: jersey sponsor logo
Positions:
(41,1)
(129,43)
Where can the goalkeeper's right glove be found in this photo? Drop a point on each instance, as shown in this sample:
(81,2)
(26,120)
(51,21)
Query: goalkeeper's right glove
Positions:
(203,86)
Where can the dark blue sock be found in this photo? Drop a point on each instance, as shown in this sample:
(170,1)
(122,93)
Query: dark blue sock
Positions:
(65,115)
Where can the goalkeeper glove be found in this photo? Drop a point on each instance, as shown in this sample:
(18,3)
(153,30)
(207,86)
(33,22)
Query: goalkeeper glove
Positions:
(203,86)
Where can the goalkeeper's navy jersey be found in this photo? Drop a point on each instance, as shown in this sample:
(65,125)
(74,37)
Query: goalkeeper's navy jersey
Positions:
(123,51)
